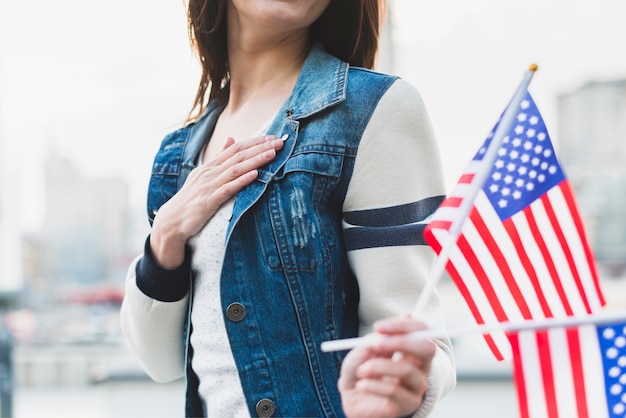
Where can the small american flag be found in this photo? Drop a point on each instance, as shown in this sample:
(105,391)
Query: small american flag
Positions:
(522,253)
(572,372)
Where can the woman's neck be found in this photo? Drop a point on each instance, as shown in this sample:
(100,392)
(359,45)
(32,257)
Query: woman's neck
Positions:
(262,68)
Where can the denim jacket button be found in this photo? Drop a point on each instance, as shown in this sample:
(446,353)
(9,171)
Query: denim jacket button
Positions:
(235,312)
(265,408)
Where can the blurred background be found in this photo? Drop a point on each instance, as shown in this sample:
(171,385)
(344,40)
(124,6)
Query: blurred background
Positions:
(88,90)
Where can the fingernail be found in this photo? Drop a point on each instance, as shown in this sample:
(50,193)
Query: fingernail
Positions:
(284,137)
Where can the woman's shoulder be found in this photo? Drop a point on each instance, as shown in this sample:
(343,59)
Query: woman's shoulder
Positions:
(397,90)
(363,84)
(404,93)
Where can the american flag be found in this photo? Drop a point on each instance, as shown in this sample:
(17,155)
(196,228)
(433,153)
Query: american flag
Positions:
(571,372)
(522,252)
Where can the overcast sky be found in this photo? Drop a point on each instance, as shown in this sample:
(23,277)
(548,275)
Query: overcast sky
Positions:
(101,83)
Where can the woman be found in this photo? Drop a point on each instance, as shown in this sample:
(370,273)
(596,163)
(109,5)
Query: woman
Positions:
(262,248)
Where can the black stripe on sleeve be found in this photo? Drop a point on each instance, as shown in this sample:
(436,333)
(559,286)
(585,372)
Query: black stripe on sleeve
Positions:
(399,235)
(395,215)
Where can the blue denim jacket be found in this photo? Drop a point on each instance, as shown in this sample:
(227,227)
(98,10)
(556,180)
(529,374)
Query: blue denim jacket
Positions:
(285,285)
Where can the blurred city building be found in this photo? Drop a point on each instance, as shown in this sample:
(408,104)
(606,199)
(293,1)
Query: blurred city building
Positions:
(592,148)
(67,326)
(84,232)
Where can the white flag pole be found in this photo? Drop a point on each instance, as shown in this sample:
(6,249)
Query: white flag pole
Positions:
(506,122)
(536,324)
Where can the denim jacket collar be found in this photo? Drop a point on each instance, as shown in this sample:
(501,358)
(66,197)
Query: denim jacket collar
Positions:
(322,83)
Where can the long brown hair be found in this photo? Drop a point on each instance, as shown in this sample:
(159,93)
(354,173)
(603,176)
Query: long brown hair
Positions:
(348,29)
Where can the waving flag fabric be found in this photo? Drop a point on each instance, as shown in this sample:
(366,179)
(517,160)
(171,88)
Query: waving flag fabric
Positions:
(568,373)
(522,253)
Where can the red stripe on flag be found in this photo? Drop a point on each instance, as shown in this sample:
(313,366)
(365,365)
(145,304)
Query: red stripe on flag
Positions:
(429,236)
(510,228)
(578,375)
(469,300)
(501,262)
(452,202)
(482,277)
(554,276)
(466,178)
(518,377)
(566,189)
(491,343)
(438,224)
(566,250)
(467,296)
(547,374)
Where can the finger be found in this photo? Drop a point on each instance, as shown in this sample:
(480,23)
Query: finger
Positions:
(398,372)
(350,364)
(420,352)
(231,188)
(399,398)
(248,160)
(256,144)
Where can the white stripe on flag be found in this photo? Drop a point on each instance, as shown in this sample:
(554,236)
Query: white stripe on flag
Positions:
(576,246)
(572,296)
(543,275)
(473,286)
(593,369)
(555,249)
(512,259)
(450,212)
(564,389)
(494,275)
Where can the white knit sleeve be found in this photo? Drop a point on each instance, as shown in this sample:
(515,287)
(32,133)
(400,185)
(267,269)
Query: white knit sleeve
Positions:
(154,330)
(397,182)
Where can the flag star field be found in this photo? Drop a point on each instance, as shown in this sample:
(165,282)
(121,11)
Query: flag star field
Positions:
(612,341)
(526,166)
